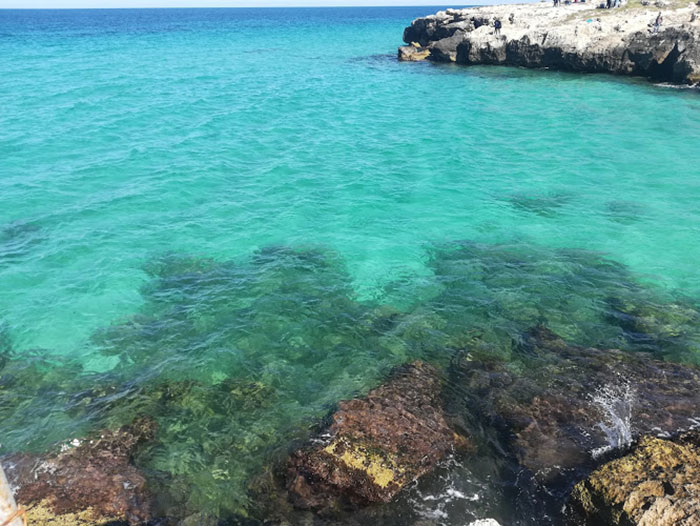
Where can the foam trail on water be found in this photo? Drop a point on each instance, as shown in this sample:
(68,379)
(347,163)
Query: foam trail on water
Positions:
(454,494)
(615,403)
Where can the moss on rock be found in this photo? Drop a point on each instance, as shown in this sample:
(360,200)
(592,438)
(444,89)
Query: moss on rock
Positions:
(42,514)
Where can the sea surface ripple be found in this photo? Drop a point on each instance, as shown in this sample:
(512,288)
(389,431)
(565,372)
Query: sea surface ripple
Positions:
(220,193)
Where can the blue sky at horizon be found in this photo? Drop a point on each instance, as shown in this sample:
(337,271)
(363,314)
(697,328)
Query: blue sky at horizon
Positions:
(67,4)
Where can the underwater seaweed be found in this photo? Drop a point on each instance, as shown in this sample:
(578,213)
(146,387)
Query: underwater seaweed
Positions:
(236,360)
(241,359)
(502,290)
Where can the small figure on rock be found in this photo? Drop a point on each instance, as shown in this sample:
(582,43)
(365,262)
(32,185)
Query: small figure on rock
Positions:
(511,18)
(497,26)
(657,23)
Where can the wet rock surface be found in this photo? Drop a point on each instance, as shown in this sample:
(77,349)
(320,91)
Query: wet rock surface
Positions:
(577,37)
(571,405)
(657,484)
(375,445)
(413,53)
(91,481)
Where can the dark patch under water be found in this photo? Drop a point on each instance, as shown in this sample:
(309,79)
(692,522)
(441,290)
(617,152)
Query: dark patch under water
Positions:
(237,361)
(17,239)
(624,211)
(542,205)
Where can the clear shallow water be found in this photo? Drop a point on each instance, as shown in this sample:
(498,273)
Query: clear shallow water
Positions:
(264,204)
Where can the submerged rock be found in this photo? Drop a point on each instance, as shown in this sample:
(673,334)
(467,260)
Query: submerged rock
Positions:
(566,405)
(657,484)
(646,321)
(91,481)
(376,445)
(576,37)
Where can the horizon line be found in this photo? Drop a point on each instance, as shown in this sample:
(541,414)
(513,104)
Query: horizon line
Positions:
(308,6)
(273,5)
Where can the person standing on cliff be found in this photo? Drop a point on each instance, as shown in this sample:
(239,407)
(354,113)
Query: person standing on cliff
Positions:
(657,23)
(497,27)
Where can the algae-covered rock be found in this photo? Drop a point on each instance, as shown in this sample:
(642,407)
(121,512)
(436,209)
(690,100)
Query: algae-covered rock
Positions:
(90,481)
(568,404)
(42,514)
(657,484)
(375,445)
(653,322)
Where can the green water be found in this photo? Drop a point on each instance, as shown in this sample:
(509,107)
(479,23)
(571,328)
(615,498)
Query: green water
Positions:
(232,219)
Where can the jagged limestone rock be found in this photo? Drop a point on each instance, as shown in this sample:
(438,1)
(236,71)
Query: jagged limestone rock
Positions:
(577,37)
(657,484)
(413,53)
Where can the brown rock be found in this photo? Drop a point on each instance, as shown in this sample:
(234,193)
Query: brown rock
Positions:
(95,476)
(413,53)
(657,484)
(570,402)
(375,445)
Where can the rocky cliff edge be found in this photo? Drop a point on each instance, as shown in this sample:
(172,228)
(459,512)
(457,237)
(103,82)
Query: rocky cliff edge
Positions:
(573,37)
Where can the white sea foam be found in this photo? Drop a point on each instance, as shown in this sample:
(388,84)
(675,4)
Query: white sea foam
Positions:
(455,489)
(485,522)
(616,404)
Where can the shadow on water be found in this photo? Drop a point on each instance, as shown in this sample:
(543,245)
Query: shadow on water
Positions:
(505,73)
(378,61)
(238,360)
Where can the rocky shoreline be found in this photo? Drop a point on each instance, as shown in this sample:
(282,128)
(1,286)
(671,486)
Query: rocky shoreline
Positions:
(656,484)
(592,435)
(579,37)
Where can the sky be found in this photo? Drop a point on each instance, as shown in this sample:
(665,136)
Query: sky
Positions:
(40,4)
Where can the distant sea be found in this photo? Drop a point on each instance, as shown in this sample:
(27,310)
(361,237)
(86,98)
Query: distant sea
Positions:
(202,196)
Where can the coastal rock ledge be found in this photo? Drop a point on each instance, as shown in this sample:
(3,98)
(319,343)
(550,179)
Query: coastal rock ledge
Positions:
(576,37)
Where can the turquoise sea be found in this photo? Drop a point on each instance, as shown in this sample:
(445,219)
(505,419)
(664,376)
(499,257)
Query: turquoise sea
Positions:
(264,202)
